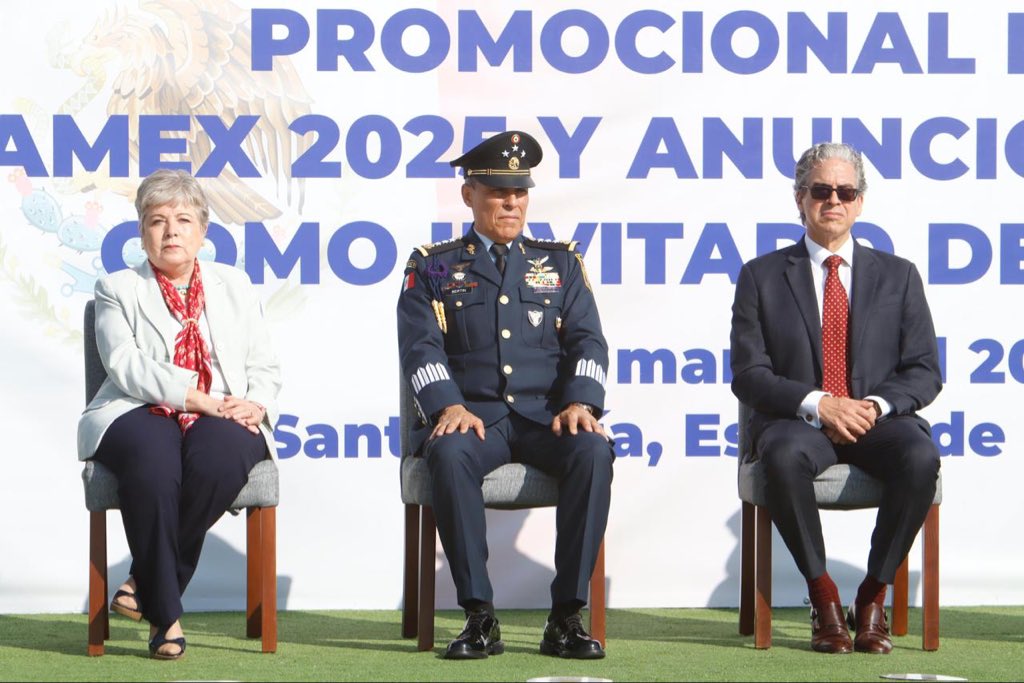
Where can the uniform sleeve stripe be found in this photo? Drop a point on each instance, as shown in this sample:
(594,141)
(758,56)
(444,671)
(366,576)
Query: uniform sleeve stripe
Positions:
(591,369)
(428,374)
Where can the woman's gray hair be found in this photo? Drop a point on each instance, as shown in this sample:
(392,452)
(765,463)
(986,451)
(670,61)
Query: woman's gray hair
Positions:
(166,186)
(822,152)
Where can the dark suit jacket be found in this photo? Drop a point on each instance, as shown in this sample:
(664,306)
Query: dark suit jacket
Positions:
(776,335)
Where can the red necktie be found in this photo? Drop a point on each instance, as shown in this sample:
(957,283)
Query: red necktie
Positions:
(834,319)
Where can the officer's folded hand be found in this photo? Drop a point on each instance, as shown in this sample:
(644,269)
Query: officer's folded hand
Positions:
(457,417)
(575,417)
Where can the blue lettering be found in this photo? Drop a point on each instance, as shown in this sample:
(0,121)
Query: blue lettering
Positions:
(339,253)
(597,41)
(626,38)
(357,145)
(770,234)
(747,154)
(654,235)
(366,431)
(288,443)
(714,237)
(985,151)
(303,249)
(662,130)
(227,146)
(886,154)
(940,270)
(439,41)
(697,434)
(13,131)
(701,367)
(329,47)
(69,143)
(152,144)
(1015,149)
(265,47)
(887,25)
(921,153)
(1011,254)
(569,147)
(1015,43)
(767,42)
(646,361)
(322,441)
(516,38)
(803,36)
(939,61)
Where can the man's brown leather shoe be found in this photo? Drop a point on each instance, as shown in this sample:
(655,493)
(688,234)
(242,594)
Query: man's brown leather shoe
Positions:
(871,627)
(828,630)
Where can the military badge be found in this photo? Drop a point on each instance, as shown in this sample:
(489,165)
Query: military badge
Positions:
(541,278)
(535,317)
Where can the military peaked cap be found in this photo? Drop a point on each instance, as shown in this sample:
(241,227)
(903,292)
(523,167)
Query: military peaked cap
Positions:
(503,160)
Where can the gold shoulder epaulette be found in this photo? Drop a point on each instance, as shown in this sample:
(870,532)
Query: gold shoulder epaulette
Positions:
(440,247)
(554,245)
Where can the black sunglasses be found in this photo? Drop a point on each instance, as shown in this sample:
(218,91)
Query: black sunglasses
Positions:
(844,192)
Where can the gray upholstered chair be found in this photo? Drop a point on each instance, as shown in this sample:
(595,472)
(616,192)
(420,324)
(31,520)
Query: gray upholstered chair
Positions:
(510,487)
(840,487)
(259,498)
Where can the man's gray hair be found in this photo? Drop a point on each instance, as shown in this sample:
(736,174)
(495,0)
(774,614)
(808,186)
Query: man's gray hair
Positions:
(166,186)
(822,152)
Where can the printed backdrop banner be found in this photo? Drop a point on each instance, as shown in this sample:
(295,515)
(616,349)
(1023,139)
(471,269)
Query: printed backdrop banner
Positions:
(670,131)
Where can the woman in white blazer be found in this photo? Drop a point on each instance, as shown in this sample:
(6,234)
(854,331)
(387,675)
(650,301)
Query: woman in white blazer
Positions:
(189,401)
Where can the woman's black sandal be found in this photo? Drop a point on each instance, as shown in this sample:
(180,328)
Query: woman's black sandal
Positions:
(161,639)
(135,614)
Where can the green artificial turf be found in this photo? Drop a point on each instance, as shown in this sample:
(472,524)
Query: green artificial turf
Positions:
(978,643)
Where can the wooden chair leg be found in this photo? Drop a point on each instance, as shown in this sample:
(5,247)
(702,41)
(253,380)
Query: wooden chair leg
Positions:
(598,599)
(762,578)
(268,573)
(428,534)
(930,579)
(253,573)
(747,570)
(99,625)
(410,582)
(901,599)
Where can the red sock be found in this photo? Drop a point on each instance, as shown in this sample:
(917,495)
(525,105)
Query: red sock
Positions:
(823,591)
(871,590)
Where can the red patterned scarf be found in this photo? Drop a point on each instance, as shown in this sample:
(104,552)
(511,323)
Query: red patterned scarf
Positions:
(190,351)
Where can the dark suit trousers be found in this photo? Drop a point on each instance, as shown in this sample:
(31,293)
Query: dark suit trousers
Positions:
(172,489)
(583,466)
(898,451)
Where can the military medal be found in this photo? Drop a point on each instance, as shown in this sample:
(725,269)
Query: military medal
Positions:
(542,278)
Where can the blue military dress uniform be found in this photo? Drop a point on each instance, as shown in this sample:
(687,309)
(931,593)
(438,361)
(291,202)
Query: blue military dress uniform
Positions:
(515,350)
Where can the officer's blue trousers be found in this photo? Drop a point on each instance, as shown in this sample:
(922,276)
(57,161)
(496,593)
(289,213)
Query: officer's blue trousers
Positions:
(583,466)
(172,489)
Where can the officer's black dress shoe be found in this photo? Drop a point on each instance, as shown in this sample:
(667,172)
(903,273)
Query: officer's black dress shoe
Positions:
(567,638)
(480,637)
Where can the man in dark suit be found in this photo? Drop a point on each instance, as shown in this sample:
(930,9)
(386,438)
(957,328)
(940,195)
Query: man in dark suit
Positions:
(834,349)
(501,343)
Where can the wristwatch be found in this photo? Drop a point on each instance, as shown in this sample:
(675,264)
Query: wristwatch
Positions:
(585,406)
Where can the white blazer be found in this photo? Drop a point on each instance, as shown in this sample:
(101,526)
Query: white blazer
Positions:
(135,334)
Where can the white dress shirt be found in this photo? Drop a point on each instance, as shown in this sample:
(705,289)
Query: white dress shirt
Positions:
(808,410)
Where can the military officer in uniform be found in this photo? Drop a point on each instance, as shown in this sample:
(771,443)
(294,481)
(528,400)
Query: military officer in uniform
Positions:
(501,343)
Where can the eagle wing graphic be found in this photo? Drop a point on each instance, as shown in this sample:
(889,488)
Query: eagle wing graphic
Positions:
(192,57)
